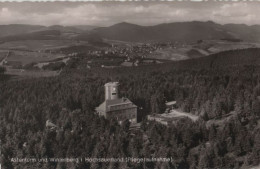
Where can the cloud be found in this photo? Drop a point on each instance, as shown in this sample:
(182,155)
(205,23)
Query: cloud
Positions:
(4,10)
(241,12)
(144,13)
(233,10)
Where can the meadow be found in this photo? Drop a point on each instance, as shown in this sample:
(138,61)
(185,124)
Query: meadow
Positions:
(27,57)
(21,73)
(37,45)
(204,48)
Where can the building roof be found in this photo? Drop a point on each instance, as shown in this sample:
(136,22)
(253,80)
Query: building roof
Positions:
(170,103)
(128,64)
(112,84)
(50,124)
(112,105)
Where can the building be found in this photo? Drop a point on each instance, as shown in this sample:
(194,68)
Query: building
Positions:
(172,117)
(171,104)
(50,125)
(115,107)
(127,64)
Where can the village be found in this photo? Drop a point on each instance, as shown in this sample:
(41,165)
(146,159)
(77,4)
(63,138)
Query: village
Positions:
(51,61)
(136,50)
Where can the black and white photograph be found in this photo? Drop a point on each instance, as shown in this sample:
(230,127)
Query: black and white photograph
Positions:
(130,85)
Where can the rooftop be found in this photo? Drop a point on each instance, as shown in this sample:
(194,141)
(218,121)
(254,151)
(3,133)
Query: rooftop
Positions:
(127,64)
(112,84)
(170,103)
(109,105)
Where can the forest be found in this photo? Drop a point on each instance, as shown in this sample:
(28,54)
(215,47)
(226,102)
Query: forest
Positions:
(222,89)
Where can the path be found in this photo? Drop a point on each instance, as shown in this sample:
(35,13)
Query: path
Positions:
(2,62)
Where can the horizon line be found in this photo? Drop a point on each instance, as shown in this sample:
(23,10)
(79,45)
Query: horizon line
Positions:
(129,23)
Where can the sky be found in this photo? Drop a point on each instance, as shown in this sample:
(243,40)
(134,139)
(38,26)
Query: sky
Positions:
(142,13)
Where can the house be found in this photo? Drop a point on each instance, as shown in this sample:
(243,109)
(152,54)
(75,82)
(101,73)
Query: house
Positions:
(171,104)
(50,125)
(127,64)
(115,107)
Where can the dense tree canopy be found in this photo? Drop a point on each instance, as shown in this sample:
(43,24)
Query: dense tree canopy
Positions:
(225,97)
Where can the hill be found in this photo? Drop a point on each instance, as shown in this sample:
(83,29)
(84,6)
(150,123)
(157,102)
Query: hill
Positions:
(6,30)
(245,32)
(227,134)
(54,33)
(226,59)
(220,61)
(22,29)
(84,27)
(178,31)
(39,35)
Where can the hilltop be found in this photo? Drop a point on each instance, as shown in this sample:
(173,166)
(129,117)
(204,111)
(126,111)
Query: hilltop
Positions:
(178,31)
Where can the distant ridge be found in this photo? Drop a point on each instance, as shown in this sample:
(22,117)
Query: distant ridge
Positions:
(7,30)
(19,29)
(177,31)
(54,32)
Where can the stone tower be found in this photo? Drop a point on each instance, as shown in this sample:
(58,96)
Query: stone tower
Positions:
(111,91)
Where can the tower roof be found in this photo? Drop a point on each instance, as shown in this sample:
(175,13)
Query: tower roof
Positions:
(112,84)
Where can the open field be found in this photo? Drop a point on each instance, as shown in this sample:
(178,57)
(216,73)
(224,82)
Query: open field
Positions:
(215,46)
(205,48)
(38,45)
(16,60)
(31,73)
(42,64)
(26,57)
(3,55)
(170,54)
(121,43)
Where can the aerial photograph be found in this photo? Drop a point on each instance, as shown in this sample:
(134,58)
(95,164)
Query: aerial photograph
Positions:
(130,85)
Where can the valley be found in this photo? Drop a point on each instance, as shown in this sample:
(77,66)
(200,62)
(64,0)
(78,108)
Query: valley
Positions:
(28,58)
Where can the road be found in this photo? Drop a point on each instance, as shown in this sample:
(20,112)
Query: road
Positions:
(2,62)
